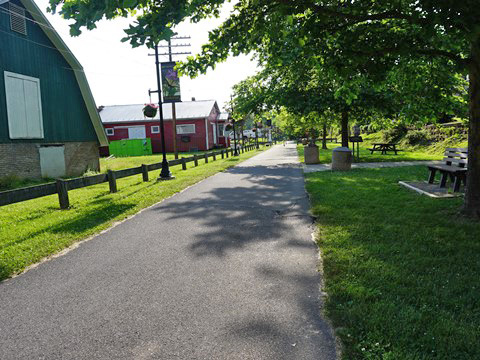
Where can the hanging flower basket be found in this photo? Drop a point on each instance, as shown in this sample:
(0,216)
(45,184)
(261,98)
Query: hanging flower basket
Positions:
(150,110)
(228,127)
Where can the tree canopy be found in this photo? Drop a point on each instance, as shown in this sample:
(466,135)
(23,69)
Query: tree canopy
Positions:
(355,40)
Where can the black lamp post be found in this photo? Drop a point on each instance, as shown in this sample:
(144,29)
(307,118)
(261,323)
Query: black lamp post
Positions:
(165,173)
(235,151)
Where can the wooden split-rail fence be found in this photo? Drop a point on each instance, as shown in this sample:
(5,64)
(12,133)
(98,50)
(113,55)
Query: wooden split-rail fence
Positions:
(62,187)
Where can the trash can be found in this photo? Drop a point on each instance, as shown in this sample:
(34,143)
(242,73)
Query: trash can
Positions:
(341,159)
(311,154)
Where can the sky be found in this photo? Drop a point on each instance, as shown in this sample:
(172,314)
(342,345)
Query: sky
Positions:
(119,74)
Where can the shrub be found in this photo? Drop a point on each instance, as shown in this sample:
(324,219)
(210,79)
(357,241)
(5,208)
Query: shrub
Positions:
(394,134)
(418,137)
(9,182)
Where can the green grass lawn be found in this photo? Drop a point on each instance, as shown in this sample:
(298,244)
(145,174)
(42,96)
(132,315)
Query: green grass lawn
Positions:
(402,270)
(365,156)
(113,163)
(118,163)
(34,229)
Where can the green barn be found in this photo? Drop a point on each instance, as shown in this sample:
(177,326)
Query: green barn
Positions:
(49,123)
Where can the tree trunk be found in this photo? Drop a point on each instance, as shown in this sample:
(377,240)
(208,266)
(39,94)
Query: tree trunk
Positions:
(324,138)
(345,128)
(472,194)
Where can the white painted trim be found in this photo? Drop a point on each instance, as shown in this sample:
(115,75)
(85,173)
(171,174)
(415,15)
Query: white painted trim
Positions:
(113,131)
(423,192)
(155,126)
(3,1)
(21,76)
(186,133)
(215,133)
(128,127)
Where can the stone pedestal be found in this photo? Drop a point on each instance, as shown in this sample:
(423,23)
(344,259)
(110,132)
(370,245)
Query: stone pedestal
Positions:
(341,159)
(311,154)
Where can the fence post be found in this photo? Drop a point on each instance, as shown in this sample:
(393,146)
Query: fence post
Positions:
(206,158)
(195,160)
(223,154)
(62,191)
(145,172)
(227,153)
(214,156)
(184,164)
(112,181)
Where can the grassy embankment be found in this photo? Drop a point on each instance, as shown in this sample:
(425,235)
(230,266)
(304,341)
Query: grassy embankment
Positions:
(409,153)
(34,229)
(402,270)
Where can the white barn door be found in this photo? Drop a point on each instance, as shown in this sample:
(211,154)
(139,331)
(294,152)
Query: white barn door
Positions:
(24,106)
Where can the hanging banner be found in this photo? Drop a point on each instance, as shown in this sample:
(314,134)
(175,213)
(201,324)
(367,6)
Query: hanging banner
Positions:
(170,83)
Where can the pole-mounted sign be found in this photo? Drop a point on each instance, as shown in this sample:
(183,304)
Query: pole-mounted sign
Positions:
(170,83)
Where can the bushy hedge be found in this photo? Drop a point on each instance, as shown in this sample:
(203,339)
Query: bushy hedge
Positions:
(394,134)
(418,137)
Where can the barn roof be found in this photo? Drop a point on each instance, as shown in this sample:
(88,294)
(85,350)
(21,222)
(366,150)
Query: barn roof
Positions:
(184,110)
(57,41)
(224,116)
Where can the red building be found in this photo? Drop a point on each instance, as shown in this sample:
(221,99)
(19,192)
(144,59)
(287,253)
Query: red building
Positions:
(199,125)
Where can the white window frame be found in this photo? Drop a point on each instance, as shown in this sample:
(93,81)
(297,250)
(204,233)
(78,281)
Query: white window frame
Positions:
(155,129)
(10,114)
(181,131)
(110,131)
(221,129)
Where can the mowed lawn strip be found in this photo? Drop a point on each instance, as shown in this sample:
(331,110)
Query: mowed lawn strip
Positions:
(401,269)
(119,163)
(325,156)
(34,229)
(109,163)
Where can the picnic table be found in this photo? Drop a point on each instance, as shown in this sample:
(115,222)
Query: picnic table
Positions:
(384,147)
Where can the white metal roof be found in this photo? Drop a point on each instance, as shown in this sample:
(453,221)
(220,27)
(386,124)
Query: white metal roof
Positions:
(223,116)
(184,110)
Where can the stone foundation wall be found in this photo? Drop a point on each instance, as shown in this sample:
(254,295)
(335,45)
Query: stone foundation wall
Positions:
(23,160)
(80,157)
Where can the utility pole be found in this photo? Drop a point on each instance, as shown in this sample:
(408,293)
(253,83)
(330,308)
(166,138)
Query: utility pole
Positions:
(174,112)
(235,151)
(170,55)
(165,173)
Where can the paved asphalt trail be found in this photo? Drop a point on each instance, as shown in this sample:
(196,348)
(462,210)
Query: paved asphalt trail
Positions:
(223,270)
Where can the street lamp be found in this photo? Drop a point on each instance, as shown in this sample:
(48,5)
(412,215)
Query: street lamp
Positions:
(165,173)
(235,151)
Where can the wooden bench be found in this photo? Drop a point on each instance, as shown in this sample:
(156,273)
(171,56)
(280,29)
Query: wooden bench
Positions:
(454,167)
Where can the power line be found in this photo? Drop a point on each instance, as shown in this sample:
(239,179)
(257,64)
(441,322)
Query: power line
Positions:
(71,69)
(103,41)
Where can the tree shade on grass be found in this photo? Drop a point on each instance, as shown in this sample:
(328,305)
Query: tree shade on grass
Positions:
(34,229)
(365,155)
(401,269)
